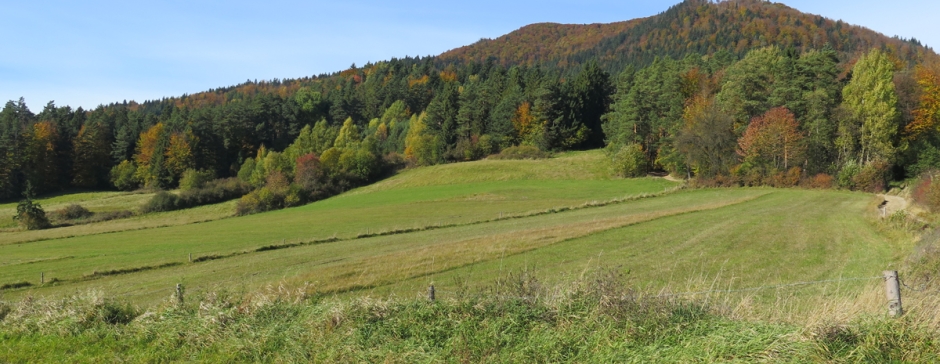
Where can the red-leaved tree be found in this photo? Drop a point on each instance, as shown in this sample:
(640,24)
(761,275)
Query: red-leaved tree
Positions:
(773,140)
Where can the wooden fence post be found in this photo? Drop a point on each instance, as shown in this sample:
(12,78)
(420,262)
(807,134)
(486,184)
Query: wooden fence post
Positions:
(42,277)
(431,293)
(179,293)
(893,291)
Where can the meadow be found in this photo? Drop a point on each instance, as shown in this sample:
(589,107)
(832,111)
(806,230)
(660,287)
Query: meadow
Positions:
(488,233)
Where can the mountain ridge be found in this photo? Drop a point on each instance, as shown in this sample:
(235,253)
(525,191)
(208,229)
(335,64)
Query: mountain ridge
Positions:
(692,26)
(730,27)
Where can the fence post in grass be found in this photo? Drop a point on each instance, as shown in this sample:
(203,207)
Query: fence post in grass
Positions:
(179,294)
(893,291)
(42,277)
(431,293)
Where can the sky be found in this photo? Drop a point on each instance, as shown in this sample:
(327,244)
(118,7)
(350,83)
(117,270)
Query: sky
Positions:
(87,53)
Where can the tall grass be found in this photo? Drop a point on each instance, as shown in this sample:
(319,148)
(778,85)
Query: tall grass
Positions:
(599,318)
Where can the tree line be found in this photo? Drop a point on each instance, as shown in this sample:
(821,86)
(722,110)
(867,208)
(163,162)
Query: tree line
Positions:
(778,116)
(408,110)
(772,117)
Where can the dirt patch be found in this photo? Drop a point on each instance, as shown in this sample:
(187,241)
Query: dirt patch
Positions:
(899,203)
(665,176)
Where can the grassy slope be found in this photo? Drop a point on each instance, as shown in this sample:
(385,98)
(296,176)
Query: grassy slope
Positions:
(93,201)
(680,241)
(689,240)
(139,222)
(782,237)
(343,216)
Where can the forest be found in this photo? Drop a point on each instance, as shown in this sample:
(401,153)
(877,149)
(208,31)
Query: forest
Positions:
(830,105)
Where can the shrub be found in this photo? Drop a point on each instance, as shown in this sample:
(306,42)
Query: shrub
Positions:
(122,176)
(927,192)
(193,179)
(847,174)
(276,194)
(521,152)
(29,213)
(873,177)
(789,178)
(753,177)
(260,200)
(72,212)
(820,181)
(162,201)
(214,191)
(628,160)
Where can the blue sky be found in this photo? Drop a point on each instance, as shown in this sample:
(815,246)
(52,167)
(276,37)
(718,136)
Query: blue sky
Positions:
(86,53)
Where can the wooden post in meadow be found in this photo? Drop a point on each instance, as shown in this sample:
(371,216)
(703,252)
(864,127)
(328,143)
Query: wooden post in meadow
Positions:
(42,277)
(431,293)
(893,291)
(179,293)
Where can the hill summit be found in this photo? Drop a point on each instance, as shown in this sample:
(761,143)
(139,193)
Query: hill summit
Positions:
(693,26)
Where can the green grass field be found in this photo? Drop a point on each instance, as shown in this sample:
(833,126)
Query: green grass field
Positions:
(471,222)
(472,230)
(93,201)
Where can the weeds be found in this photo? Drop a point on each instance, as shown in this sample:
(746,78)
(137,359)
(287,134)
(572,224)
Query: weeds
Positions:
(599,318)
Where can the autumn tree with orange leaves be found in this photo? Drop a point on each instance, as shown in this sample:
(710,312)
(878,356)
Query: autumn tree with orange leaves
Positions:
(150,156)
(772,141)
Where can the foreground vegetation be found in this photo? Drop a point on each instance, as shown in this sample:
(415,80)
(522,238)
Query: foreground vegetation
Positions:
(596,319)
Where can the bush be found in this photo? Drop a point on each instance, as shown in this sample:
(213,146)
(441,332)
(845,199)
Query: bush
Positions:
(847,174)
(521,152)
(873,177)
(927,191)
(162,201)
(276,194)
(193,179)
(29,214)
(214,192)
(122,176)
(820,181)
(749,175)
(628,160)
(72,212)
(789,178)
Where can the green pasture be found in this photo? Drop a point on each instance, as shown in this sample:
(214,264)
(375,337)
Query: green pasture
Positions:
(476,223)
(72,253)
(343,217)
(93,201)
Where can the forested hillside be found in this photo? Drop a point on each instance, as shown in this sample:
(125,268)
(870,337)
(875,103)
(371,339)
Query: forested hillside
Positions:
(703,89)
(691,27)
